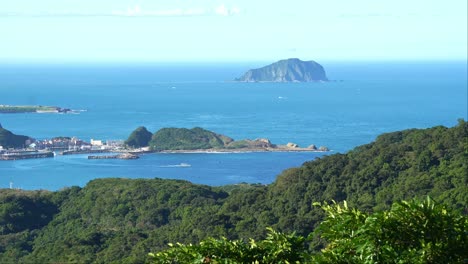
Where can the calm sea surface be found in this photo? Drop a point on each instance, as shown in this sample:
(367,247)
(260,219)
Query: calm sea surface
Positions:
(366,99)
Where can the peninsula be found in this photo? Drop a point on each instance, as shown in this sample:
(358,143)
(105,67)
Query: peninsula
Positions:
(16,109)
(140,141)
(180,140)
(290,70)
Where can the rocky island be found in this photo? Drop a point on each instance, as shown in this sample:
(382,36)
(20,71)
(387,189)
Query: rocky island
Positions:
(168,140)
(290,70)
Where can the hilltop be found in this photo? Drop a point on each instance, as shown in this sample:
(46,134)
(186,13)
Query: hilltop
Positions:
(290,70)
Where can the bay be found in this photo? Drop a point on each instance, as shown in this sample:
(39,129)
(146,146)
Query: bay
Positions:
(364,100)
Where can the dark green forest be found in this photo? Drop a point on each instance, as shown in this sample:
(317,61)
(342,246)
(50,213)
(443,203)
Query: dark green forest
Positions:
(122,220)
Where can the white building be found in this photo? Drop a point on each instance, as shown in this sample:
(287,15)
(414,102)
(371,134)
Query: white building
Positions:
(97,143)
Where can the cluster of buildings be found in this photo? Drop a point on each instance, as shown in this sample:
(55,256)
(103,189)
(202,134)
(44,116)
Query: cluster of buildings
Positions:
(60,143)
(70,143)
(73,143)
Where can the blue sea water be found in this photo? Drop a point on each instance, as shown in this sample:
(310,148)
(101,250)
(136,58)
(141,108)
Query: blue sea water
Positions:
(364,100)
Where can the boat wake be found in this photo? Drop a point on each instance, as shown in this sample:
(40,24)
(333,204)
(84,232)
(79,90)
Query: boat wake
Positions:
(181,165)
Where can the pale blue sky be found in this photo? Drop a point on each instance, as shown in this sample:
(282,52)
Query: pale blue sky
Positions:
(232,30)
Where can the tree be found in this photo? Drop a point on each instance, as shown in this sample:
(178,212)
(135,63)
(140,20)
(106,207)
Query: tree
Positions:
(410,232)
(276,248)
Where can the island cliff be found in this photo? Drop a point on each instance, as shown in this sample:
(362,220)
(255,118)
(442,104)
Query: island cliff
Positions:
(290,70)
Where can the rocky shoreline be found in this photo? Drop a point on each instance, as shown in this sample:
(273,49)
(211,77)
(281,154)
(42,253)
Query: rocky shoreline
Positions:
(125,156)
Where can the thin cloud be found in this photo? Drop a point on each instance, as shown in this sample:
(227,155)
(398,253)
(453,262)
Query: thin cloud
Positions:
(368,15)
(225,11)
(135,11)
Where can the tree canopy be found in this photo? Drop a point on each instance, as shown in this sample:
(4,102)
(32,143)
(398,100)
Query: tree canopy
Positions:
(410,232)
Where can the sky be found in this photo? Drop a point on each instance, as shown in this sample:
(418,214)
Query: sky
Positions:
(232,30)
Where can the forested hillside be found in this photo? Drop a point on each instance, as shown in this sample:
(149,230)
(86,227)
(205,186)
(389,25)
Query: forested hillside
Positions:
(121,220)
(10,140)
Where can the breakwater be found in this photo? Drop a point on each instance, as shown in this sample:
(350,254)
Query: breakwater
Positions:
(90,151)
(26,155)
(120,156)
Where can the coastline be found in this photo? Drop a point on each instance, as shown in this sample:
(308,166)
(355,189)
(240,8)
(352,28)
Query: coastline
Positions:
(243,150)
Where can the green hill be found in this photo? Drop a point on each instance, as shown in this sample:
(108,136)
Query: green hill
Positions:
(10,140)
(140,137)
(187,139)
(121,220)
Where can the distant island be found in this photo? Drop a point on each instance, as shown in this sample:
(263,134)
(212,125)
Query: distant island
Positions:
(15,109)
(290,70)
(201,140)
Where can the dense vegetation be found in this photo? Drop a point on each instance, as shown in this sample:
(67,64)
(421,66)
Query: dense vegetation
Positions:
(10,140)
(410,232)
(121,220)
(139,138)
(191,139)
(187,139)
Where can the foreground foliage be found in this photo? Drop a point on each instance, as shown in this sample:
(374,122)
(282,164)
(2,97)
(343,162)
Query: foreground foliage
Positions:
(410,232)
(276,248)
(121,220)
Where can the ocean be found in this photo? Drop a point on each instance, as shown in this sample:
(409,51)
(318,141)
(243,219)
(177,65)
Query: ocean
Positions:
(363,100)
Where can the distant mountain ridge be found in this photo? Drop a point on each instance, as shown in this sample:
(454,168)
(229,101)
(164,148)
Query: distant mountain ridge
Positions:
(289,70)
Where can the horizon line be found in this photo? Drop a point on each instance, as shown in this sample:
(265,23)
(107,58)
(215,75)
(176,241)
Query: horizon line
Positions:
(213,61)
